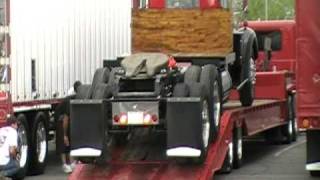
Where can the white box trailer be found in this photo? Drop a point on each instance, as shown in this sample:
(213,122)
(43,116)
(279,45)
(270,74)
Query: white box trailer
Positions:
(46,45)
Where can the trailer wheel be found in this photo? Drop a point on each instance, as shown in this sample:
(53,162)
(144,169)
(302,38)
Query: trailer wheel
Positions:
(295,123)
(228,160)
(192,74)
(197,90)
(23,146)
(210,79)
(237,147)
(290,130)
(39,146)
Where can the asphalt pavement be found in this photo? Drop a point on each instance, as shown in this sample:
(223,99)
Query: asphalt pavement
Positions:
(261,162)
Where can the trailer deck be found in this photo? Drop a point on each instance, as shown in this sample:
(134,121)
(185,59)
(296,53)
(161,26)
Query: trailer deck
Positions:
(144,155)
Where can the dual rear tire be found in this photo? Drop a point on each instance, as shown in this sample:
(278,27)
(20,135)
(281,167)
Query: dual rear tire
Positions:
(204,83)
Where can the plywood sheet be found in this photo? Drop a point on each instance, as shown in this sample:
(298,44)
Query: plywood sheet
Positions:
(182,31)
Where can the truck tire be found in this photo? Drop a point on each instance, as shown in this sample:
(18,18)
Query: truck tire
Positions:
(228,160)
(39,144)
(192,74)
(197,90)
(181,90)
(248,54)
(23,146)
(246,93)
(237,147)
(83,91)
(209,77)
(101,75)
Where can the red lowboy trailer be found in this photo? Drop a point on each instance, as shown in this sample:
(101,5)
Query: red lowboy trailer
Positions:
(144,159)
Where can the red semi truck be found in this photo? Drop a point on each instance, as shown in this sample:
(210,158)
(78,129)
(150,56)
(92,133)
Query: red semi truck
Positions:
(144,156)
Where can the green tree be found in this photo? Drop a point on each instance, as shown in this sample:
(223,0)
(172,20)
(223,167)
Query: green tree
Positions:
(271,9)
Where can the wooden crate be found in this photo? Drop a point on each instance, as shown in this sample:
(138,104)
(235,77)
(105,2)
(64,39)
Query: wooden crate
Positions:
(182,31)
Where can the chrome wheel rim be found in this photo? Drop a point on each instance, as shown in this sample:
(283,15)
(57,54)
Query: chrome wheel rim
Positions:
(41,142)
(217,104)
(205,124)
(290,127)
(230,153)
(239,150)
(22,145)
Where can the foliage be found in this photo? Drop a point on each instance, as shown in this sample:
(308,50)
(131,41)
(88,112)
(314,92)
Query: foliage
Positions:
(269,9)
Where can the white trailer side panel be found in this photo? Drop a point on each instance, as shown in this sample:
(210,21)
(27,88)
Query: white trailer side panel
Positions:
(67,40)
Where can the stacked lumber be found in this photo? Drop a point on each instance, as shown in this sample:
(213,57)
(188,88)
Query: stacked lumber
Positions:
(190,31)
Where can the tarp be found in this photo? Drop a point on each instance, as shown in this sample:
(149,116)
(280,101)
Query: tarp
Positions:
(308,57)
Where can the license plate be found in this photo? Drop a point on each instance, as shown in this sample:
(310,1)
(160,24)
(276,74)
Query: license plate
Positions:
(135,118)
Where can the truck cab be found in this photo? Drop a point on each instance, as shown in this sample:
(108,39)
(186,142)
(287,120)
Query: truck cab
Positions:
(283,51)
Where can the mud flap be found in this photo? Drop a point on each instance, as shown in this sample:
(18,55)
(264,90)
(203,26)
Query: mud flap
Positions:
(87,127)
(184,135)
(313,147)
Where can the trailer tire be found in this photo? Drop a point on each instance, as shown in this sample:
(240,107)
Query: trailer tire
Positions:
(39,144)
(192,74)
(237,147)
(197,90)
(295,123)
(228,160)
(23,146)
(209,77)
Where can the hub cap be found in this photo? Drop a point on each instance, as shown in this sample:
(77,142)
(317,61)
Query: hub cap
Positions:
(22,145)
(205,124)
(41,142)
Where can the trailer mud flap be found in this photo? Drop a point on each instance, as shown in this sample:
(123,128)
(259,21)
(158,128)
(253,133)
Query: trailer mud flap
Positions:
(184,135)
(87,127)
(313,147)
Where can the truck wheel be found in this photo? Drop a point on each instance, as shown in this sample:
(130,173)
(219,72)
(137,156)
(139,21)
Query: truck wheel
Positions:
(237,147)
(210,79)
(23,146)
(247,91)
(192,74)
(249,52)
(197,90)
(39,146)
(228,160)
